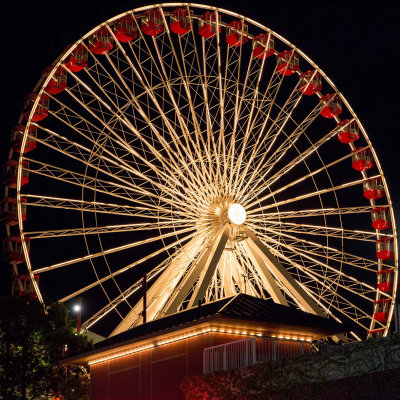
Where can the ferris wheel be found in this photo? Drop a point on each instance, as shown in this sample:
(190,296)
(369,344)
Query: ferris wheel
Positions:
(196,145)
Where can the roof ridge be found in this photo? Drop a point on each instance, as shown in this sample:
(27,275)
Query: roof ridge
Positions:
(230,301)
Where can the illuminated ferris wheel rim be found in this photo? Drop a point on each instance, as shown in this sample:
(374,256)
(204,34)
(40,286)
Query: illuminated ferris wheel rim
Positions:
(136,13)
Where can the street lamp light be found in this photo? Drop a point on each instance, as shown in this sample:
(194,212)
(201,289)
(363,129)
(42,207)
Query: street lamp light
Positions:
(78,309)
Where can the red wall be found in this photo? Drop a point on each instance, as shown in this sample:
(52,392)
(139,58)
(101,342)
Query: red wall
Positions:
(153,374)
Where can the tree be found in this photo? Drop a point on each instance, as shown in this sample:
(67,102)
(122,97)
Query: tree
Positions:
(33,342)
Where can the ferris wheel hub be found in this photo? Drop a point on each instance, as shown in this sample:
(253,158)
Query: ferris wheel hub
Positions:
(237,214)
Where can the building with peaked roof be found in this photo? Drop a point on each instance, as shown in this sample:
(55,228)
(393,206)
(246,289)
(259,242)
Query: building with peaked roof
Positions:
(150,360)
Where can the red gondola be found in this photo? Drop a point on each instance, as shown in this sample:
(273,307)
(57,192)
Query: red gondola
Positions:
(361,159)
(381,218)
(384,249)
(310,82)
(236,33)
(17,134)
(381,313)
(23,286)
(152,23)
(10,171)
(180,21)
(78,58)
(125,29)
(263,45)
(9,213)
(42,108)
(58,81)
(288,62)
(208,25)
(101,42)
(377,332)
(385,280)
(373,189)
(13,251)
(331,106)
(348,132)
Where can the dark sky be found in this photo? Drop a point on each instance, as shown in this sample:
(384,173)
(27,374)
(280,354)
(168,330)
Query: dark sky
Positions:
(355,43)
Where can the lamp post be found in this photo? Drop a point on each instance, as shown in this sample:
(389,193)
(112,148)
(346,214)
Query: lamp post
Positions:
(78,310)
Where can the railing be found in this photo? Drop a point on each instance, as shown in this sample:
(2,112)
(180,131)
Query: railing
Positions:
(248,352)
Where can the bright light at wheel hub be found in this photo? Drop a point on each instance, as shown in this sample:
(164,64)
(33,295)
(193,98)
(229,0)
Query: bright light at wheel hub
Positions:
(237,214)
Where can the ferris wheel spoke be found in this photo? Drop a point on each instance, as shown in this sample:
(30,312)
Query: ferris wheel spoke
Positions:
(65,146)
(221,94)
(112,189)
(192,65)
(100,230)
(311,174)
(126,146)
(150,91)
(118,249)
(100,207)
(127,124)
(340,279)
(184,76)
(96,142)
(342,306)
(264,166)
(256,109)
(239,96)
(319,250)
(276,128)
(74,178)
(319,230)
(305,196)
(164,65)
(349,309)
(312,213)
(268,181)
(211,100)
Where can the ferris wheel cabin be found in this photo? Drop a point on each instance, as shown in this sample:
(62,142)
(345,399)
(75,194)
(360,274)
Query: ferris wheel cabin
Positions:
(180,21)
(287,62)
(374,189)
(208,25)
(385,280)
(13,251)
(10,173)
(41,110)
(263,46)
(101,42)
(236,33)
(9,211)
(381,218)
(125,29)
(23,285)
(17,134)
(58,81)
(348,131)
(310,82)
(152,23)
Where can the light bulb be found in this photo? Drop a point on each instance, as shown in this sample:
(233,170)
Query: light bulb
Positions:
(237,214)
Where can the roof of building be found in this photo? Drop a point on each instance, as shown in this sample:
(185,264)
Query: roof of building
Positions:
(240,307)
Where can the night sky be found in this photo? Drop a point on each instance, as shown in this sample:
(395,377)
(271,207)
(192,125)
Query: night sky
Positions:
(356,45)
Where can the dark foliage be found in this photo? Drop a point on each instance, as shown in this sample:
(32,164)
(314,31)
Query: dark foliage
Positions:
(33,342)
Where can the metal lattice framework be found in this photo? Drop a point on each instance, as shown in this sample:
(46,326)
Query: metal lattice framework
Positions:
(145,150)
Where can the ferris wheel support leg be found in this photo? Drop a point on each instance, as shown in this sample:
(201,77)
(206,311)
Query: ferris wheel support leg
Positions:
(203,264)
(208,272)
(265,274)
(160,290)
(280,272)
